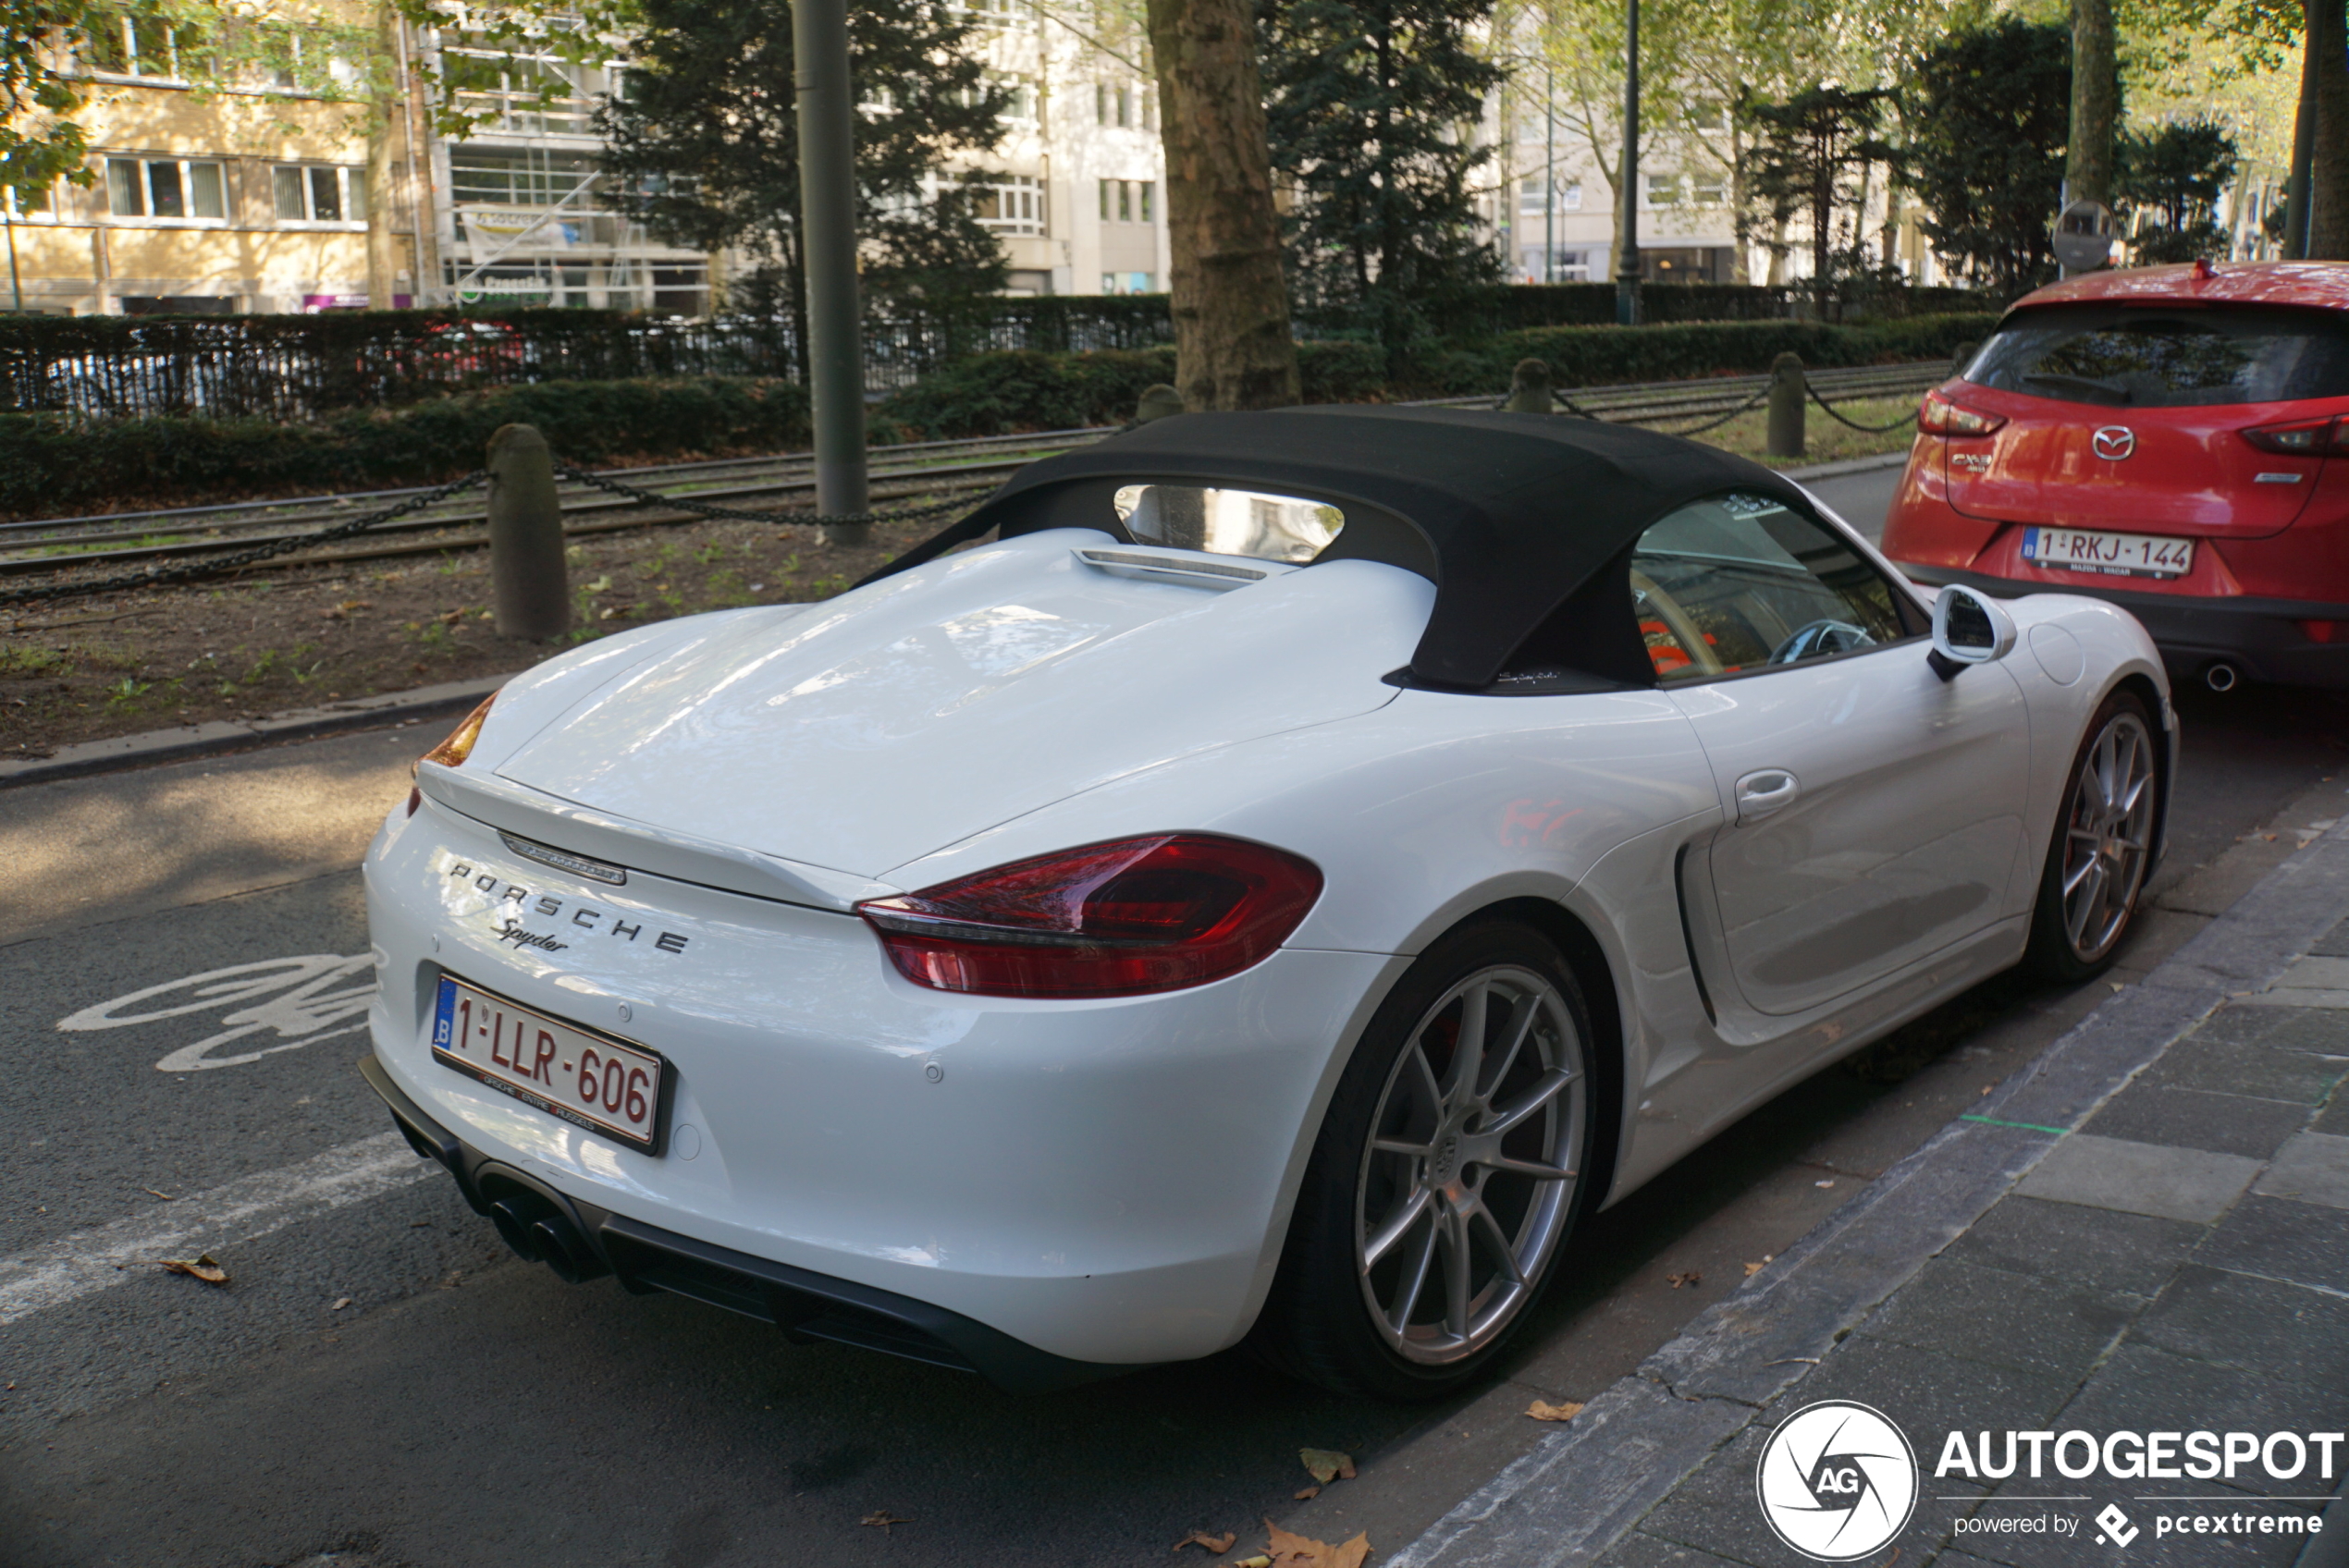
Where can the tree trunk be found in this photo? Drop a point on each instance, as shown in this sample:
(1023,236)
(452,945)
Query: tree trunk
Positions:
(1232,343)
(386,118)
(2329,166)
(2096,103)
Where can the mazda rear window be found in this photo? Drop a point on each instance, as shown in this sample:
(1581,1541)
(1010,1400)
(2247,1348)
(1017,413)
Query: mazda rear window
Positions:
(2161,357)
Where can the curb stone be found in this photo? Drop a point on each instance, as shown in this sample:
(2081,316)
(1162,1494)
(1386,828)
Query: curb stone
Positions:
(188,740)
(1578,1491)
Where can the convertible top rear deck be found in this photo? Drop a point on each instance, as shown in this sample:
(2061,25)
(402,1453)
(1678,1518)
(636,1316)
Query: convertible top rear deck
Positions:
(1510,515)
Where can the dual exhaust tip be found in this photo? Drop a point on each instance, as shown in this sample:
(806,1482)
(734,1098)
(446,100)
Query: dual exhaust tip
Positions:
(541,1233)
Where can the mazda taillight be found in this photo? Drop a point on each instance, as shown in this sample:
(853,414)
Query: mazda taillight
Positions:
(2302,438)
(1941,415)
(1120,919)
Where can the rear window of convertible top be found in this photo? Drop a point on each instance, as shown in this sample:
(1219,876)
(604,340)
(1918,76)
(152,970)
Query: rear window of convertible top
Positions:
(2158,356)
(1228,522)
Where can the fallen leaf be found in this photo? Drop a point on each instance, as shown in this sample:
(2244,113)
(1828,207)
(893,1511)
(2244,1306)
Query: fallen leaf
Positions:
(341,1302)
(1258,1561)
(450,617)
(1542,1410)
(1823,1184)
(1691,1278)
(1288,1551)
(1754,1269)
(418,1224)
(203,1268)
(884,1518)
(1327,1464)
(1306,1494)
(165,1196)
(1986,1090)
(1218,1545)
(600,583)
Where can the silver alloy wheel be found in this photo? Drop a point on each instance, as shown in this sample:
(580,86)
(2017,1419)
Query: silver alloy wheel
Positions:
(1473,1163)
(2107,832)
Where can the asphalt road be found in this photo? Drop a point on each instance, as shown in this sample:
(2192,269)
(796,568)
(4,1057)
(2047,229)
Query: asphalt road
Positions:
(380,1382)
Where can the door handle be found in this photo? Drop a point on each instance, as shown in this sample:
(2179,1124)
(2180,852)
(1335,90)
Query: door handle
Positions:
(1766,790)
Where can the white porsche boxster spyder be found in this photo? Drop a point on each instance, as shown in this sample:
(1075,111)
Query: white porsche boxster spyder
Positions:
(1269,891)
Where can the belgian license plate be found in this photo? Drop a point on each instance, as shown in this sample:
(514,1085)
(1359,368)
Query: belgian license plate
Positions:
(609,1086)
(2115,555)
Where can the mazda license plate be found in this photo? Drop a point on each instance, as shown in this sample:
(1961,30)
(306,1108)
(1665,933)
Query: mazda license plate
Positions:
(590,1080)
(2114,554)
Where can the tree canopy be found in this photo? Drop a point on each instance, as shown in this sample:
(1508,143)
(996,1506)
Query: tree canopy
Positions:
(1371,107)
(704,147)
(1987,117)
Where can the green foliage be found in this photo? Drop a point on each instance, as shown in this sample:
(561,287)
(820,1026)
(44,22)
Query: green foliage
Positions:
(1021,389)
(1807,152)
(1367,103)
(1594,355)
(705,147)
(39,138)
(52,463)
(2175,176)
(1988,114)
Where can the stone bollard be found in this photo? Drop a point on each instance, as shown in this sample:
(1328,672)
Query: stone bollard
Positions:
(1530,388)
(1786,407)
(528,582)
(1158,401)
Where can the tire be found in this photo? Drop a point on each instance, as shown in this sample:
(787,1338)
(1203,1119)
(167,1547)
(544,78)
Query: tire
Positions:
(1411,1156)
(2095,865)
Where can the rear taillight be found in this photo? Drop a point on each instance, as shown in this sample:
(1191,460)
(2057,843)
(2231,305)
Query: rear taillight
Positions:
(2302,438)
(1940,415)
(1120,919)
(453,751)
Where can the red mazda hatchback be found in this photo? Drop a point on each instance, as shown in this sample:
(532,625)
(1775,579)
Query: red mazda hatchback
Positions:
(2160,439)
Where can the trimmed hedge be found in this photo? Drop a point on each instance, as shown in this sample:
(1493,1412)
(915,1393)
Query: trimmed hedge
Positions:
(55,464)
(1020,389)
(58,464)
(1594,355)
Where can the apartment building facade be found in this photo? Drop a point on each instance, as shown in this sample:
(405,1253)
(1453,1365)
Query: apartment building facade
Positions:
(249,194)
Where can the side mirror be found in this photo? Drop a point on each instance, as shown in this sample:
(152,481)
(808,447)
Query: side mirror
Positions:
(1968,627)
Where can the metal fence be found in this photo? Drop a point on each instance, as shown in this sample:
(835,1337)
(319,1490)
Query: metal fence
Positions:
(296,367)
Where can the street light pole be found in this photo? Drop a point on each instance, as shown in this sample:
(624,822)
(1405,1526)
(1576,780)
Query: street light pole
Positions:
(827,239)
(1549,174)
(1627,217)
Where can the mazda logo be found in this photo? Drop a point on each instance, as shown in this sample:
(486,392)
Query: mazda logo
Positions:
(2115,442)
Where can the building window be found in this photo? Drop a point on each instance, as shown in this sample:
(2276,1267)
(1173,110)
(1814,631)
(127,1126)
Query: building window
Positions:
(318,193)
(165,187)
(1129,201)
(1127,282)
(1569,193)
(1011,203)
(1689,190)
(144,45)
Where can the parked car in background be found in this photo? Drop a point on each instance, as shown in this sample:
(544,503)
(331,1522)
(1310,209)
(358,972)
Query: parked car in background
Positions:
(2163,439)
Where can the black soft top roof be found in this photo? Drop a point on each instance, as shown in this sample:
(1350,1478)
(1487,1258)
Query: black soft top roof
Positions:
(1509,514)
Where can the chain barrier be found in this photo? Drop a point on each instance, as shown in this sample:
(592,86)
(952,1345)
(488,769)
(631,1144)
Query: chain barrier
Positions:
(156,577)
(734,514)
(1751,403)
(1867,429)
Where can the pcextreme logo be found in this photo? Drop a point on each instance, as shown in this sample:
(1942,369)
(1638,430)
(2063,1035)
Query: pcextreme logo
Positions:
(1836,1481)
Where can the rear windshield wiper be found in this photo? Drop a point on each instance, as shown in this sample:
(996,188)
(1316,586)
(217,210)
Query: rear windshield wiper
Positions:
(2089,391)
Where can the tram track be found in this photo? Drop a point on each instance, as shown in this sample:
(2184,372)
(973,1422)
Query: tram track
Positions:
(903,472)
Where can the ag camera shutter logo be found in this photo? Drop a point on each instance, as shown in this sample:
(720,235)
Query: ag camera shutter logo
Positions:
(1837,1481)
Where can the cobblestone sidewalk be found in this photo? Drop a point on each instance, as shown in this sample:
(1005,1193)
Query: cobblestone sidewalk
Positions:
(2146,1231)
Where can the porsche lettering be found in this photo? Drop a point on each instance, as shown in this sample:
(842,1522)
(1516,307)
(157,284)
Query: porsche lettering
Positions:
(587,919)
